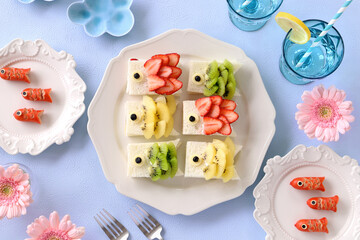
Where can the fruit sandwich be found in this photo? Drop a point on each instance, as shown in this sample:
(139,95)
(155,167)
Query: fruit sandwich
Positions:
(151,118)
(156,160)
(209,115)
(211,160)
(213,78)
(157,75)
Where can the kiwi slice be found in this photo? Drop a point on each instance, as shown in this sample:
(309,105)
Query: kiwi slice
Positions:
(154,151)
(211,82)
(174,166)
(231,78)
(221,84)
(155,173)
(171,151)
(212,71)
(163,163)
(165,174)
(164,148)
(229,66)
(225,75)
(209,92)
(229,90)
(222,67)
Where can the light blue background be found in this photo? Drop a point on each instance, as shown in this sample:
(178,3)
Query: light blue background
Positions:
(70,177)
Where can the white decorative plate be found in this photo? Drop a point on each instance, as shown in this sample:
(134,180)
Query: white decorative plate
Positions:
(49,69)
(278,206)
(180,195)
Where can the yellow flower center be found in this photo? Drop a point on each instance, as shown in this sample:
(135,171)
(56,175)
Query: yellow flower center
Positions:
(6,190)
(325,112)
(54,238)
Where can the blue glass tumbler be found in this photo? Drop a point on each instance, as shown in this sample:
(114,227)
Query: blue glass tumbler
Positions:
(253,16)
(322,62)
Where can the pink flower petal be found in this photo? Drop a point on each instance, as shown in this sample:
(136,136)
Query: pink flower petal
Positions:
(2,171)
(319,131)
(345,105)
(77,232)
(44,222)
(3,211)
(349,118)
(332,91)
(54,220)
(327,135)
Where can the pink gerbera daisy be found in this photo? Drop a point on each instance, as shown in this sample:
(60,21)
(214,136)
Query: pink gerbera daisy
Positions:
(324,113)
(15,194)
(54,229)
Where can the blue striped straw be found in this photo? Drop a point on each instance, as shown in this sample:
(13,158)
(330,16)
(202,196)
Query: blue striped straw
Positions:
(247,2)
(323,33)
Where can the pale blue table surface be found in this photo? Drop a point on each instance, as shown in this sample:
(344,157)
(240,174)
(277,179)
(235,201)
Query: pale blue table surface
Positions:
(70,177)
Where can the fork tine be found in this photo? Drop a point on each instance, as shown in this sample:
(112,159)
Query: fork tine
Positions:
(107,225)
(149,216)
(111,223)
(122,228)
(141,220)
(137,223)
(149,223)
(111,237)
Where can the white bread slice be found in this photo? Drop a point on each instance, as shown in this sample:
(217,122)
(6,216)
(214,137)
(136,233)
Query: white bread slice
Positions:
(200,68)
(197,149)
(189,128)
(139,87)
(142,150)
(133,128)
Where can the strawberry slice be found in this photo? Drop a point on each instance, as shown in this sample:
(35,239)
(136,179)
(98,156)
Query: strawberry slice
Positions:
(152,66)
(212,125)
(165,59)
(217,100)
(178,84)
(173,59)
(226,128)
(230,115)
(214,111)
(203,105)
(168,89)
(165,71)
(155,82)
(176,72)
(228,104)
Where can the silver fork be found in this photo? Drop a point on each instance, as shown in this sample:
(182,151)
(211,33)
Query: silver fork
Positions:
(117,230)
(146,223)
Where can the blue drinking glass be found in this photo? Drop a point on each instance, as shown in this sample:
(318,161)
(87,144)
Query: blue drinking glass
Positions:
(323,61)
(253,16)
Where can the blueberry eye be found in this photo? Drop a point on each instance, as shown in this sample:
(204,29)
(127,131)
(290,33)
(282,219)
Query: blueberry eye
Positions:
(299,183)
(198,79)
(24,93)
(133,117)
(138,160)
(313,202)
(2,71)
(18,113)
(304,226)
(195,159)
(193,118)
(137,76)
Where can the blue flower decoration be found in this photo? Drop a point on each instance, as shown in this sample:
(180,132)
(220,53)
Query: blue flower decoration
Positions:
(30,1)
(100,16)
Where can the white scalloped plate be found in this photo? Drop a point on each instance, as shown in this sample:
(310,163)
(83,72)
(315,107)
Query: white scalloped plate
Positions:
(278,206)
(49,69)
(180,195)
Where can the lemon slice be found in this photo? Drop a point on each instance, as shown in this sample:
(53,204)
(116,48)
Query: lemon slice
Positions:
(300,32)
